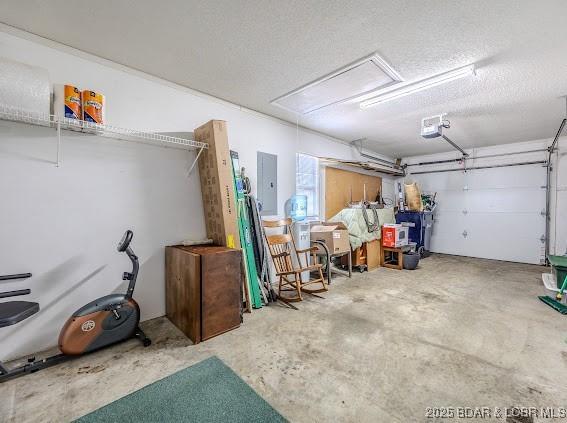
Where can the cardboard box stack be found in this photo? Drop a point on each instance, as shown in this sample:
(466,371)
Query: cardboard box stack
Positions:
(217,187)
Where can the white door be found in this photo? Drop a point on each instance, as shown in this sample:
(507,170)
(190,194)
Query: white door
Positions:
(489,213)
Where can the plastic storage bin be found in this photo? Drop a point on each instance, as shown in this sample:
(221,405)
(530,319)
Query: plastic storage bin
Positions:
(559,264)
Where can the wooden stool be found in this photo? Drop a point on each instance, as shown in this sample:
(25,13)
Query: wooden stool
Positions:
(392,263)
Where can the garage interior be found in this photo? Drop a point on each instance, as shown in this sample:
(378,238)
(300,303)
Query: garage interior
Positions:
(325,211)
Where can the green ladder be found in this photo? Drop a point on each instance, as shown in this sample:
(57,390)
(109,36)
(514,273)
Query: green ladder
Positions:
(245,236)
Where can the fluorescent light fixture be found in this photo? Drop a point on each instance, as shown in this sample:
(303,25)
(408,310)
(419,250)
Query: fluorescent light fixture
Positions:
(414,87)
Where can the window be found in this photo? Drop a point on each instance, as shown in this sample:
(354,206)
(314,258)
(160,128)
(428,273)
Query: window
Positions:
(307,182)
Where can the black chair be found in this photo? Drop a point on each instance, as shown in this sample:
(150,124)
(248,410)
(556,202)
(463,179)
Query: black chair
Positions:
(12,312)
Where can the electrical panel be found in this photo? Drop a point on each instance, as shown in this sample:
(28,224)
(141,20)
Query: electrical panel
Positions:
(267,183)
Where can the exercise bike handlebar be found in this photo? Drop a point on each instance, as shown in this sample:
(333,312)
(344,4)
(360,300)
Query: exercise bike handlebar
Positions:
(124,247)
(15,293)
(14,277)
(125,241)
(18,292)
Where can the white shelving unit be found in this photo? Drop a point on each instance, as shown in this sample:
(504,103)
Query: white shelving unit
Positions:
(88,128)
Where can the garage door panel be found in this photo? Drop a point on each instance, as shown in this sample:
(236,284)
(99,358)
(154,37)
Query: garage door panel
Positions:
(440,182)
(447,233)
(514,200)
(502,212)
(451,201)
(507,177)
(505,236)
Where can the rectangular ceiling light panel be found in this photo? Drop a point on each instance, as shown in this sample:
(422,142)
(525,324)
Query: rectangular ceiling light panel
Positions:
(369,74)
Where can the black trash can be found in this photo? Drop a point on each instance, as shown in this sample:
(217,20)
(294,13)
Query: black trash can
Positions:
(411,260)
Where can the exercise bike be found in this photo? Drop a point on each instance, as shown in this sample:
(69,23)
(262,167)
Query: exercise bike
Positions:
(105,321)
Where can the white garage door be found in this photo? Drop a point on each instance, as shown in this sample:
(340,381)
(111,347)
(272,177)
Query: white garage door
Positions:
(490,213)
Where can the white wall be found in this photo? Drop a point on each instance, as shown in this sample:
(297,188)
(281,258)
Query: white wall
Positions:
(558,207)
(62,224)
(501,208)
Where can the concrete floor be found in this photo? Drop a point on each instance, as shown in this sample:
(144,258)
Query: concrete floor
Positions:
(381,347)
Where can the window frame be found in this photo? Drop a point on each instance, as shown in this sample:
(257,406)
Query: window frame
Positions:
(315,188)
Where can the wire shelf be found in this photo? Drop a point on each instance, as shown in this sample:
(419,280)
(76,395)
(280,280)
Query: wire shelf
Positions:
(90,128)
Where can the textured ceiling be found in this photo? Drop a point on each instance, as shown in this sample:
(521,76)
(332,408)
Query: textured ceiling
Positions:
(250,52)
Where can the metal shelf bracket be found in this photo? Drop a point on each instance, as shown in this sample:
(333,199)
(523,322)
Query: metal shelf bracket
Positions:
(195,161)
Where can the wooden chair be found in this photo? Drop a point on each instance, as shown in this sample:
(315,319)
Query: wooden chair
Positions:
(282,249)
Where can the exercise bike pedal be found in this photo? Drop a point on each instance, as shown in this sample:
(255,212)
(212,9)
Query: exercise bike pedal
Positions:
(146,342)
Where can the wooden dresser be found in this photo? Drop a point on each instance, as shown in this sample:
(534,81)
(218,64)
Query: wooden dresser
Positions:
(202,289)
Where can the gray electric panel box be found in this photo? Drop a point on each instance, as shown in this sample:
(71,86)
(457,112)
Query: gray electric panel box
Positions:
(267,183)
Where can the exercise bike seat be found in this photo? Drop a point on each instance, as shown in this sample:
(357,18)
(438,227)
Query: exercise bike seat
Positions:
(13,312)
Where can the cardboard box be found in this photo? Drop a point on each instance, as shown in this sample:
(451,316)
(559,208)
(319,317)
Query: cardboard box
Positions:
(333,234)
(217,186)
(394,235)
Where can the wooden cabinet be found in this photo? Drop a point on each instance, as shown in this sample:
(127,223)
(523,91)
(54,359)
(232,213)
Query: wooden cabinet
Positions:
(202,288)
(343,186)
(373,254)
(368,255)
